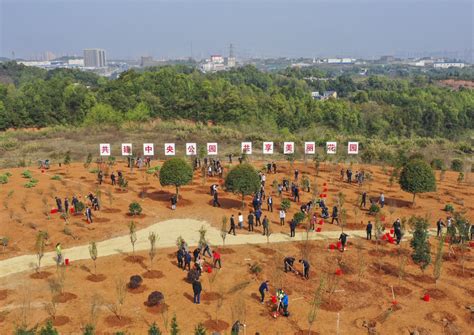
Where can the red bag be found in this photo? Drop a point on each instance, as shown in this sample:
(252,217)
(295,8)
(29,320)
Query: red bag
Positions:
(318,229)
(426,297)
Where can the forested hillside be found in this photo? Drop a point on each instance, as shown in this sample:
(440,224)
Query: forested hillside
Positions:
(375,106)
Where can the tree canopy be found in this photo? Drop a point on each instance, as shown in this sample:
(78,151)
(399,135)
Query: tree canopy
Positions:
(376,106)
(176,171)
(243,179)
(417,177)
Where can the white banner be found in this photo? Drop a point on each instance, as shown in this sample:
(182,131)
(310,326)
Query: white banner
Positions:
(104,149)
(126,149)
(288,148)
(353,148)
(246,147)
(309,148)
(212,149)
(191,149)
(331,148)
(170,149)
(148,149)
(268,148)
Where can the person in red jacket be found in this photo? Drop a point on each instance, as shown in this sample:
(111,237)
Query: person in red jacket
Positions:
(217,258)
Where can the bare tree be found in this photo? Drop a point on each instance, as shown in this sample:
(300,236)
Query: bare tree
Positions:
(120,294)
(40,245)
(316,303)
(224,229)
(133,235)
(93,253)
(152,237)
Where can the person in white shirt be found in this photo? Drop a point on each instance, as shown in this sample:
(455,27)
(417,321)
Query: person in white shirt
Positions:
(241,221)
(282,217)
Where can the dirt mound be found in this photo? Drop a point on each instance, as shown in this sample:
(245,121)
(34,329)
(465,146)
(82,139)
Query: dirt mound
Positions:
(40,275)
(158,309)
(436,294)
(60,320)
(96,278)
(441,317)
(211,296)
(334,306)
(216,325)
(356,286)
(134,259)
(400,291)
(65,297)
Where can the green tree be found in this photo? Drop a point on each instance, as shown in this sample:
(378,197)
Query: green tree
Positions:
(417,177)
(177,172)
(102,114)
(420,243)
(48,329)
(199,329)
(244,180)
(154,330)
(174,326)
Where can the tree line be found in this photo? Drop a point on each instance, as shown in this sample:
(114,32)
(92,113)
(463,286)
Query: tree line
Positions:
(377,106)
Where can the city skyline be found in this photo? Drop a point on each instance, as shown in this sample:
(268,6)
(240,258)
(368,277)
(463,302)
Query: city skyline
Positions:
(259,29)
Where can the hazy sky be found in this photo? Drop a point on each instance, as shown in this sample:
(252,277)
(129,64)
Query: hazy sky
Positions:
(168,28)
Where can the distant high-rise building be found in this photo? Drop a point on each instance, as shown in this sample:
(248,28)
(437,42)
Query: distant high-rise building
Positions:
(95,58)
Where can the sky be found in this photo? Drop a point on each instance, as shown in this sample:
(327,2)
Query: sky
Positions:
(128,29)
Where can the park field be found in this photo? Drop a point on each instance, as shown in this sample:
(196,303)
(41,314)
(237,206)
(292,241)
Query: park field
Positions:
(358,301)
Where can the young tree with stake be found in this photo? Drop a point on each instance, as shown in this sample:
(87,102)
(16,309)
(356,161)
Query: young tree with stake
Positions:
(152,237)
(93,254)
(132,228)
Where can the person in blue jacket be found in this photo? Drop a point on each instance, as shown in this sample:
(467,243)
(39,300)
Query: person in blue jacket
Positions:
(263,287)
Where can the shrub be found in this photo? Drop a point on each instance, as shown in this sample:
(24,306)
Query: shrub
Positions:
(79,207)
(255,268)
(153,170)
(155,298)
(299,217)
(27,174)
(56,177)
(285,204)
(457,165)
(32,183)
(135,282)
(374,209)
(420,242)
(89,330)
(437,164)
(449,208)
(135,208)
(3,179)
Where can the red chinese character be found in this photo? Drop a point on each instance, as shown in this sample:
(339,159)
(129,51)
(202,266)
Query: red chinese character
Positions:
(331,147)
(127,149)
(289,147)
(268,147)
(309,148)
(212,148)
(169,149)
(105,149)
(191,149)
(148,149)
(353,147)
(246,148)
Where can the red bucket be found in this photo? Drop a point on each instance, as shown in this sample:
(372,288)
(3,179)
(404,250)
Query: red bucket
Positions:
(394,302)
(325,189)
(392,231)
(338,272)
(54,211)
(66,261)
(339,245)
(320,195)
(209,269)
(426,297)
(325,196)
(321,222)
(71,210)
(332,247)
(274,299)
(318,230)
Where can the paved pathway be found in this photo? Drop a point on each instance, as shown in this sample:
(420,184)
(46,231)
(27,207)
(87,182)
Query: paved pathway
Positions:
(168,232)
